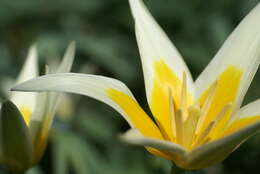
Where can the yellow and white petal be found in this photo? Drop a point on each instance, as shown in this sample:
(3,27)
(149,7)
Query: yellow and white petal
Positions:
(246,116)
(218,150)
(239,50)
(158,147)
(163,66)
(233,67)
(26,101)
(107,90)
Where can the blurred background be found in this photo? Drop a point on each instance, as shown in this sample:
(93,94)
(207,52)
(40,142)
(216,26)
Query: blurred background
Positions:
(84,136)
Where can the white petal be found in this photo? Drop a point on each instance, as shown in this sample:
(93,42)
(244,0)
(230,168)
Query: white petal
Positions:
(163,67)
(218,150)
(134,137)
(89,85)
(249,110)
(97,87)
(68,59)
(154,45)
(29,71)
(241,50)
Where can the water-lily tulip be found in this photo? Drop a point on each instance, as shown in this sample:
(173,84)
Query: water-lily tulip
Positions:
(196,124)
(26,118)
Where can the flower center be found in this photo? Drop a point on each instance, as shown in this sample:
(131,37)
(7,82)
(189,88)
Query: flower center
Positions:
(187,122)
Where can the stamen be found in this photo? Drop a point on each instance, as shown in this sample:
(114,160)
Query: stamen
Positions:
(201,139)
(205,136)
(162,130)
(205,141)
(223,112)
(184,96)
(206,106)
(179,126)
(220,116)
(190,124)
(172,115)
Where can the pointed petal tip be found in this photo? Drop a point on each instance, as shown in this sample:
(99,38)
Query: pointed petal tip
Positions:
(134,5)
(73,43)
(72,46)
(33,47)
(32,53)
(23,86)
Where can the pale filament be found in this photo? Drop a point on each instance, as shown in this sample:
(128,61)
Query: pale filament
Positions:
(186,121)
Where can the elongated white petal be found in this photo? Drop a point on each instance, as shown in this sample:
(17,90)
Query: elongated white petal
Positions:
(134,137)
(218,150)
(240,51)
(89,85)
(29,71)
(107,90)
(154,45)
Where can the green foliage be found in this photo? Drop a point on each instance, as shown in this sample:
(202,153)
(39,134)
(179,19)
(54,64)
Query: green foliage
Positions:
(104,33)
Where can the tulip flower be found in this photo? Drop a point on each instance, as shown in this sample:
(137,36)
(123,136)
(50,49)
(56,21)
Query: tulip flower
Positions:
(26,118)
(196,124)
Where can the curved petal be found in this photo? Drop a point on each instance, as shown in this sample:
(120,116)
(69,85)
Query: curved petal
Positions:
(157,147)
(218,150)
(107,90)
(233,67)
(163,66)
(29,71)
